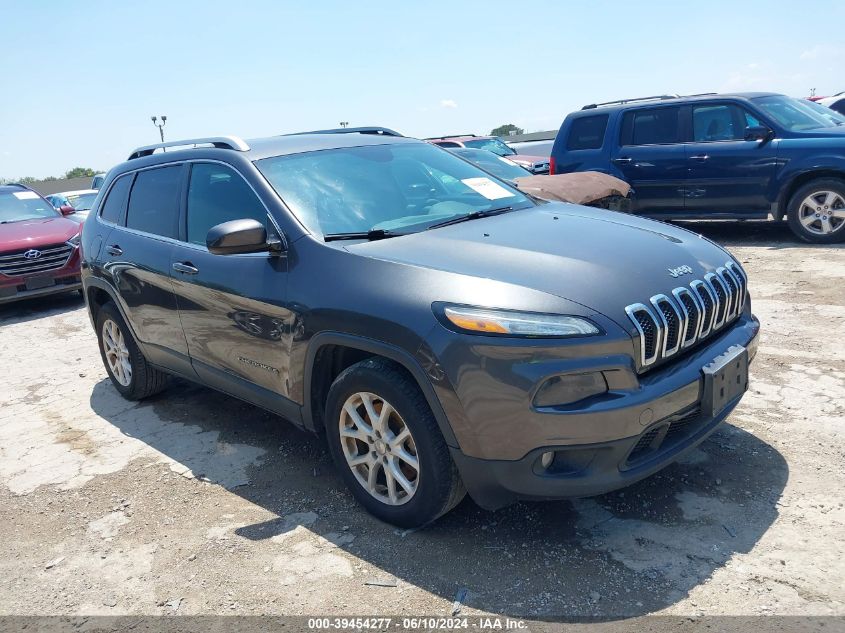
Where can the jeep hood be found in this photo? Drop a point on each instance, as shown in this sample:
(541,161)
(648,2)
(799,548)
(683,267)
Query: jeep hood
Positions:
(600,259)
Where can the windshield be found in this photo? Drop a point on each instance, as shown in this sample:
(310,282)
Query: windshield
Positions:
(497,165)
(799,114)
(24,205)
(397,188)
(82,201)
(494,145)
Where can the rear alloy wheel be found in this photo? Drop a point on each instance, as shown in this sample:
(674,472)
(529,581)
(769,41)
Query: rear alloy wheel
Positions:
(387,445)
(129,371)
(817,211)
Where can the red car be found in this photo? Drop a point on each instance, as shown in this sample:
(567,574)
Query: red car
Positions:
(39,247)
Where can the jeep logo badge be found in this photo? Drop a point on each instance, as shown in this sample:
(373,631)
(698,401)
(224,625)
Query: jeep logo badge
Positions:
(32,254)
(680,270)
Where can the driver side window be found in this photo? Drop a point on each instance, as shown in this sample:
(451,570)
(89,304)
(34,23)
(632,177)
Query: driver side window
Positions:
(218,194)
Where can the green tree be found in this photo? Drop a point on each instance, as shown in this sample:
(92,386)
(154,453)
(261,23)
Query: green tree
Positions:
(79,172)
(506,130)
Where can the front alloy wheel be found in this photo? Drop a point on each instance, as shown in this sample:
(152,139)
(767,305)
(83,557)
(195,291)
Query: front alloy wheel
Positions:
(379,448)
(822,212)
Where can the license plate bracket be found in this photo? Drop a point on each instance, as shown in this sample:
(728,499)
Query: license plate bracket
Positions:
(725,379)
(36,283)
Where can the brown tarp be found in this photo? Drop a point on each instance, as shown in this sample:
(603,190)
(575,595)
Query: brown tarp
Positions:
(581,187)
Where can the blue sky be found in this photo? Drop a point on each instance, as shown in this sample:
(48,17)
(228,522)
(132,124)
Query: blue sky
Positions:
(80,80)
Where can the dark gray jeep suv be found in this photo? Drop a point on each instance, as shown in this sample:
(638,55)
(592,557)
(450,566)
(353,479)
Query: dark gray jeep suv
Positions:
(444,331)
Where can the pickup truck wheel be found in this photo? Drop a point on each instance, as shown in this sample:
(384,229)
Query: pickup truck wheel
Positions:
(816,212)
(129,371)
(387,446)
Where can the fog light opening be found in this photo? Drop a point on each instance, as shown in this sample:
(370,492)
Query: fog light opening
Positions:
(546,459)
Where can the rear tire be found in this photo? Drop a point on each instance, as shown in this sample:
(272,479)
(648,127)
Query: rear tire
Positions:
(816,212)
(390,452)
(129,371)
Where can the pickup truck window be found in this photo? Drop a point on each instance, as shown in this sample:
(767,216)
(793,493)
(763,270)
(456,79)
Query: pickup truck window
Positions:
(587,132)
(653,126)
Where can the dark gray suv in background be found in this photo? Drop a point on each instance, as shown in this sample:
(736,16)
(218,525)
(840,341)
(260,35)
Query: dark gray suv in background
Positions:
(444,331)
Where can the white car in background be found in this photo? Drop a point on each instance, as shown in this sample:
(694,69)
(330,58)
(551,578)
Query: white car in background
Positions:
(836,102)
(81,200)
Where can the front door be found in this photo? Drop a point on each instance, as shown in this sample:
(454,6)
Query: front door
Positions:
(727,174)
(652,159)
(137,255)
(232,307)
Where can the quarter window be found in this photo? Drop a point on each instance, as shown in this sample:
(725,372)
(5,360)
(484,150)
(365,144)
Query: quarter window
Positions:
(219,194)
(154,201)
(115,203)
(651,127)
(587,132)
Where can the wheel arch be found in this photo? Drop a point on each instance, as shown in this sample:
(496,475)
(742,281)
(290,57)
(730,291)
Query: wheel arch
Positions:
(329,353)
(799,180)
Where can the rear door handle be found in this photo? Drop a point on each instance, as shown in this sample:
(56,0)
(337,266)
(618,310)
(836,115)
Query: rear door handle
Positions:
(115,250)
(625,160)
(186,268)
(699,157)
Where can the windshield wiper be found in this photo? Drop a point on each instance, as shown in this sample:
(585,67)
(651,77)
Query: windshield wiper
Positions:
(372,234)
(471,216)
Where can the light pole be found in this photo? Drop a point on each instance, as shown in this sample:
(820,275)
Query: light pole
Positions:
(344,124)
(160,126)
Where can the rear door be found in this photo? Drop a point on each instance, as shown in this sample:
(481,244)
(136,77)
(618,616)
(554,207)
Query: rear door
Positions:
(232,307)
(727,174)
(651,157)
(136,254)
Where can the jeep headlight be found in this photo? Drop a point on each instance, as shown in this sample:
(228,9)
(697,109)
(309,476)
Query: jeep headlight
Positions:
(511,323)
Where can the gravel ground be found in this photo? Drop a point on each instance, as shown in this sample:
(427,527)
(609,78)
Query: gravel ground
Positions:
(194,503)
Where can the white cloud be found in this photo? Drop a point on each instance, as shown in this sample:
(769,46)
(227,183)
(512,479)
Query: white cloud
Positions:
(448,103)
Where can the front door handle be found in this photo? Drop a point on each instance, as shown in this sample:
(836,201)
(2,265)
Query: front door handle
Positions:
(186,268)
(115,250)
(699,157)
(625,160)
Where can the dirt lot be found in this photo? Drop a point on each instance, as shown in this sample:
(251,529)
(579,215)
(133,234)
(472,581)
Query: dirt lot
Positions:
(193,503)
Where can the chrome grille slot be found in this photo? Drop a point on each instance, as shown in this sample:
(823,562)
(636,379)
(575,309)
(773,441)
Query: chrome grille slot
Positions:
(670,323)
(649,330)
(50,258)
(687,302)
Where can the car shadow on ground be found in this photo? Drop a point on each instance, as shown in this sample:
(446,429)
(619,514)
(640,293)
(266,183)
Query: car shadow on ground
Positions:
(623,554)
(39,307)
(766,233)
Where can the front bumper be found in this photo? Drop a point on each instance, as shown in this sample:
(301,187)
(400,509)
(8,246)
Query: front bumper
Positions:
(63,279)
(604,445)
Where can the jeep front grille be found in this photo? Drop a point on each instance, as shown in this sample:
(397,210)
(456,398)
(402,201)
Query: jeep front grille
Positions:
(16,264)
(670,323)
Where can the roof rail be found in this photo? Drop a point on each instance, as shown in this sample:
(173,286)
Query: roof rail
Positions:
(377,131)
(591,106)
(222,142)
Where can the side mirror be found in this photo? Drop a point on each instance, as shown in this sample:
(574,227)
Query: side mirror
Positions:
(66,209)
(240,236)
(757,133)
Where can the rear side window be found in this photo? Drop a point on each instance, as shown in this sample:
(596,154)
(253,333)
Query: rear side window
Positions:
(587,132)
(218,194)
(154,201)
(657,126)
(115,203)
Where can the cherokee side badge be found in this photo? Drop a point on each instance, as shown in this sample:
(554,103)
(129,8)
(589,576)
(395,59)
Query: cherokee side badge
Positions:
(680,270)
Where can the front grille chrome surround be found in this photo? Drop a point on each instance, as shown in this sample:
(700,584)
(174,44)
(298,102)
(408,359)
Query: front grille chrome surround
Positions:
(679,320)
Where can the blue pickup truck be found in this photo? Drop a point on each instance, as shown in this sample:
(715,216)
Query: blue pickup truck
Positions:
(739,156)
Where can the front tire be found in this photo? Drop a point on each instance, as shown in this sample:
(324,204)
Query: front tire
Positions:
(387,445)
(129,371)
(816,212)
